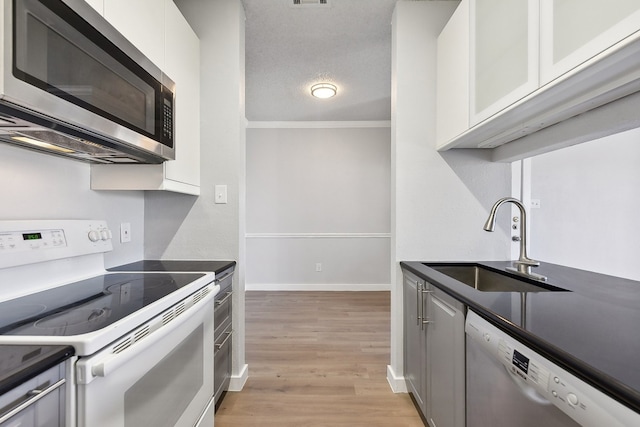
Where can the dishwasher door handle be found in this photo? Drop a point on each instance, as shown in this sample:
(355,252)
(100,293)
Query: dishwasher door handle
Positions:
(526,390)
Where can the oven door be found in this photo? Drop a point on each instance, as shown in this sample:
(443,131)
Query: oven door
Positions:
(163,379)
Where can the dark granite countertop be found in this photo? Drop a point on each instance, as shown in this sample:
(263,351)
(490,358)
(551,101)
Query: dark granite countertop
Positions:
(19,363)
(176,266)
(592,330)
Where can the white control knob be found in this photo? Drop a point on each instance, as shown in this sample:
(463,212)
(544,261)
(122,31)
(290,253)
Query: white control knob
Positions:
(94,236)
(572,399)
(104,234)
(487,337)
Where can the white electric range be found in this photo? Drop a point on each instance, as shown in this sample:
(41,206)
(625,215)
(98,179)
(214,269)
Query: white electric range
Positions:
(143,340)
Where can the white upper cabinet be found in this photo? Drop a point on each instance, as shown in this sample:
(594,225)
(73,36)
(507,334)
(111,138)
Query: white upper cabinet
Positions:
(452,91)
(504,54)
(158,29)
(533,64)
(574,31)
(182,53)
(142,23)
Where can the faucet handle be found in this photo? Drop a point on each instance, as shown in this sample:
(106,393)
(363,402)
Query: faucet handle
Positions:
(527,261)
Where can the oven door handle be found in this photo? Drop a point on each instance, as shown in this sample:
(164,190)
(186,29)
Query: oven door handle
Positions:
(106,365)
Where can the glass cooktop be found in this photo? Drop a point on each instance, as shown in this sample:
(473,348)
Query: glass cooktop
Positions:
(87,305)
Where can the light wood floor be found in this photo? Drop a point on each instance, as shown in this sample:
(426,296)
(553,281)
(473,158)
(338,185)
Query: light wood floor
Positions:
(317,359)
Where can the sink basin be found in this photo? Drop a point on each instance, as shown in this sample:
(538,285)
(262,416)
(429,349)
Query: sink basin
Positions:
(486,280)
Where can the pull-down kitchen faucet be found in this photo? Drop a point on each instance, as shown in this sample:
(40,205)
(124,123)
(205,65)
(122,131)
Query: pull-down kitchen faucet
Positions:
(524,263)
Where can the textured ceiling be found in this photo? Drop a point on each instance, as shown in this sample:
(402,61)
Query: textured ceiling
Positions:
(288,49)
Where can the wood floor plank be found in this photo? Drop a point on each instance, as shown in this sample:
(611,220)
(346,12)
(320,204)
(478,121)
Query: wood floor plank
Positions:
(317,359)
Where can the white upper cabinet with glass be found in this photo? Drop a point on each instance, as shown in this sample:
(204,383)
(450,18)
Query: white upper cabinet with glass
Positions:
(504,54)
(533,64)
(452,90)
(574,31)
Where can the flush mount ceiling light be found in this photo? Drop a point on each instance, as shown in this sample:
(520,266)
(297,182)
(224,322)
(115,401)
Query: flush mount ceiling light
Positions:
(323,90)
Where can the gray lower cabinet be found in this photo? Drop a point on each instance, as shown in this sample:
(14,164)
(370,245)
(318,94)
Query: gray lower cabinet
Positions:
(223,335)
(434,367)
(415,340)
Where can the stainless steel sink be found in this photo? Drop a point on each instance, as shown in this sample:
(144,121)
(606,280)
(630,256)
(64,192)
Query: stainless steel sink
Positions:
(486,280)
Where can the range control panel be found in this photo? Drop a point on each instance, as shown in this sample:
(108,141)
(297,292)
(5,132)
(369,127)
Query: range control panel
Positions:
(16,241)
(545,382)
(28,242)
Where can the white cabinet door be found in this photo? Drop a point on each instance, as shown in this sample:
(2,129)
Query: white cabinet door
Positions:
(142,23)
(452,96)
(504,54)
(182,53)
(573,31)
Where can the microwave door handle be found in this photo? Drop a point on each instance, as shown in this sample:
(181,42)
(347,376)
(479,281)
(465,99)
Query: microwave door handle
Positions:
(104,366)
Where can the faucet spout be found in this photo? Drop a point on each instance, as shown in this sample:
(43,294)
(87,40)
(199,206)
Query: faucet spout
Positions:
(523,263)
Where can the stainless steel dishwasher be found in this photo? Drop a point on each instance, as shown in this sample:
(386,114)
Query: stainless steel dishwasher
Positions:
(509,385)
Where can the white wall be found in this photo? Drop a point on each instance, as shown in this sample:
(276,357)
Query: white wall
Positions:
(318,195)
(439,200)
(589,203)
(41,186)
(185,227)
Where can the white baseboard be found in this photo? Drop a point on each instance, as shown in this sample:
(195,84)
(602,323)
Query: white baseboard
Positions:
(397,383)
(237,382)
(317,287)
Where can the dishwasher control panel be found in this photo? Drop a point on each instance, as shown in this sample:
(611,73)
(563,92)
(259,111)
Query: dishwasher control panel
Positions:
(543,381)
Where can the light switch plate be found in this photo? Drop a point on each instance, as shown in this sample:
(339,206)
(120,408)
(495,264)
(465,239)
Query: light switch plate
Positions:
(221,194)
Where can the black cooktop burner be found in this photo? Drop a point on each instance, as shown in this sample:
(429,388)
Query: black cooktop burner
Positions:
(87,305)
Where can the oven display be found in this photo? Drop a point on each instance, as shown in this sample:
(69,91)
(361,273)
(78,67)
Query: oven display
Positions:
(32,236)
(520,361)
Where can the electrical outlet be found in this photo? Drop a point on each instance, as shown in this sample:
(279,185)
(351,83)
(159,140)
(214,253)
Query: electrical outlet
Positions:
(318,267)
(125,232)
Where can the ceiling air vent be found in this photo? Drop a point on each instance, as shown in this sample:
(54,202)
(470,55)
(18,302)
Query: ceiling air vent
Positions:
(309,3)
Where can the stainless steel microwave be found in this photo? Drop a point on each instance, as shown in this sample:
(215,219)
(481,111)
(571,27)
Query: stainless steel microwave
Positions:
(72,85)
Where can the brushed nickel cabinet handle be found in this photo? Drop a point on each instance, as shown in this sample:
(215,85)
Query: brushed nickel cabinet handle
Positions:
(225,299)
(219,346)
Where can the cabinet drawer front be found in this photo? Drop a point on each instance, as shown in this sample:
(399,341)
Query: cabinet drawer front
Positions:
(222,362)
(223,309)
(225,280)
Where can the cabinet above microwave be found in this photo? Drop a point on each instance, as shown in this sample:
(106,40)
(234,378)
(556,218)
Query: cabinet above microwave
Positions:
(553,80)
